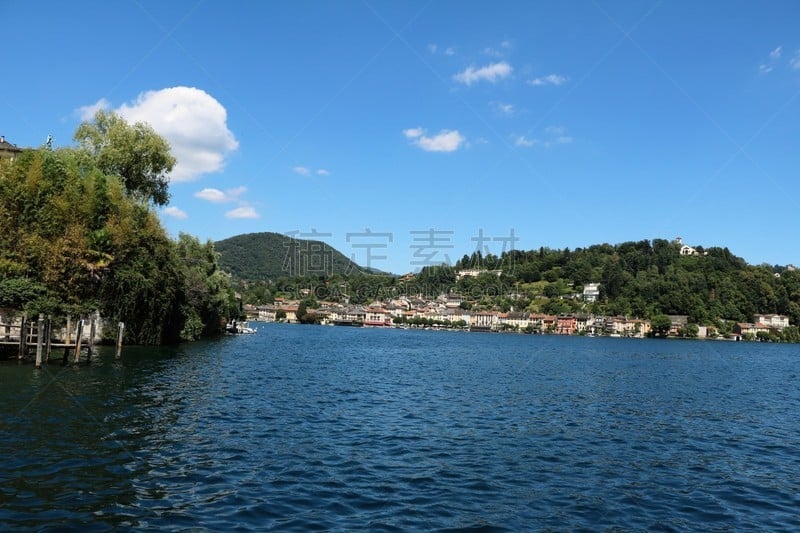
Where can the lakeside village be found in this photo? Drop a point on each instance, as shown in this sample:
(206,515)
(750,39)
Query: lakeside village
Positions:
(447,312)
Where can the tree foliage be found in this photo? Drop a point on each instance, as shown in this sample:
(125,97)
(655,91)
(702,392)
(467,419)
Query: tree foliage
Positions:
(638,279)
(79,234)
(133,152)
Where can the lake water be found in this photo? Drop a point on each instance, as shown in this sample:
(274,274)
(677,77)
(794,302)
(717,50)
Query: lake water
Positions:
(323,428)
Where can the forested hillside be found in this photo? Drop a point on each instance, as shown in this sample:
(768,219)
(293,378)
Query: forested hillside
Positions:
(646,278)
(78,233)
(636,279)
(265,256)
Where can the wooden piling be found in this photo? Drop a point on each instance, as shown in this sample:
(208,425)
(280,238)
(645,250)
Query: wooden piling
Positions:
(39,340)
(48,337)
(90,342)
(22,337)
(78,338)
(119,340)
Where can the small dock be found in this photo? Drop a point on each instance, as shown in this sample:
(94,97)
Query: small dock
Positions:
(35,339)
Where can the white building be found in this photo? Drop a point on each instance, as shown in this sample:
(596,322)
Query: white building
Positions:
(773,321)
(591,292)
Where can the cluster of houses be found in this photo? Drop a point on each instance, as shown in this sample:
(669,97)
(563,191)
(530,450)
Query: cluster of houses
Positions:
(761,324)
(446,312)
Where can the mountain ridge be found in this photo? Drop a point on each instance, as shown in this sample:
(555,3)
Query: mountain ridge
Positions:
(269,255)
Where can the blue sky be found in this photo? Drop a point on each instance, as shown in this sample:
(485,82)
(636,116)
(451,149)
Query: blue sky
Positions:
(438,126)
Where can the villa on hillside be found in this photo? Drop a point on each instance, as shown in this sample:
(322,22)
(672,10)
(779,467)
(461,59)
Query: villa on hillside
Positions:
(591,292)
(475,272)
(8,150)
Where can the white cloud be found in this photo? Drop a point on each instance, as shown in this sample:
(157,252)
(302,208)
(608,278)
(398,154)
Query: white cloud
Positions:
(774,61)
(218,196)
(244,211)
(489,51)
(795,61)
(525,142)
(444,141)
(87,112)
(434,48)
(553,135)
(550,79)
(491,73)
(175,212)
(413,133)
(194,123)
(503,108)
(212,195)
(306,171)
(303,171)
(557,135)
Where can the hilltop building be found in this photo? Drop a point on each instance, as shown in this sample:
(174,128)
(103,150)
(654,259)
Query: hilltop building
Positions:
(8,150)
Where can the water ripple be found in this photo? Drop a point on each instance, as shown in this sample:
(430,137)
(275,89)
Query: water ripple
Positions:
(310,428)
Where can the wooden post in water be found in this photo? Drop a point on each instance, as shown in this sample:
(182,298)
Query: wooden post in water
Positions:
(67,339)
(49,338)
(22,337)
(90,342)
(78,335)
(39,340)
(119,340)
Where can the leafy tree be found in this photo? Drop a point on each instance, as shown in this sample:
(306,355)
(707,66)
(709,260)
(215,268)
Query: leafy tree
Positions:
(660,325)
(135,153)
(79,235)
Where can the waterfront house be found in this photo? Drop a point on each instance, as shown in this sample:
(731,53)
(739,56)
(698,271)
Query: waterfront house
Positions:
(748,328)
(565,324)
(291,312)
(777,322)
(582,322)
(678,322)
(517,320)
(348,315)
(484,321)
(377,316)
(266,313)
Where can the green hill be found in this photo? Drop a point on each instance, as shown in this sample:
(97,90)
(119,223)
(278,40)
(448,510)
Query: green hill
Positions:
(263,256)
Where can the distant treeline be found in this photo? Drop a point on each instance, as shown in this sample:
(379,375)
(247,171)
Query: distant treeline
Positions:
(638,279)
(78,233)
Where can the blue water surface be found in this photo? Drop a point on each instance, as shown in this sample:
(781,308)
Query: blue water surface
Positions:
(325,428)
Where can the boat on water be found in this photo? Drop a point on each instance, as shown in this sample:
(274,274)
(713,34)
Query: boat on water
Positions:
(239,328)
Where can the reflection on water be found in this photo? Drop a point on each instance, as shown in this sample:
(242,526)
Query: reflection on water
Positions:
(341,428)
